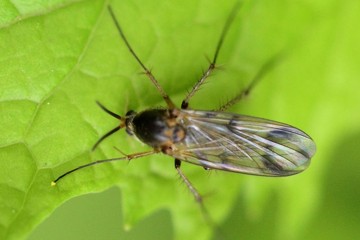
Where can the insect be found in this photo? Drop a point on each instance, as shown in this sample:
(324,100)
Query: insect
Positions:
(212,139)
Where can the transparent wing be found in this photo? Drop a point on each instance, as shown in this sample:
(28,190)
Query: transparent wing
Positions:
(238,143)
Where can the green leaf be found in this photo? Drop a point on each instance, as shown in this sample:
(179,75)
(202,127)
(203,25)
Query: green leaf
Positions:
(59,57)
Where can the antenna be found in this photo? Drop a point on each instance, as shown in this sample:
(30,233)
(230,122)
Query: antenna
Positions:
(117,128)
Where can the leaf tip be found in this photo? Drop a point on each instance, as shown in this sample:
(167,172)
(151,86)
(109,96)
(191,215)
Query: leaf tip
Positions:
(53,184)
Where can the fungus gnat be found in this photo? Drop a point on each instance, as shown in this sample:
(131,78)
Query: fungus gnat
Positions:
(212,139)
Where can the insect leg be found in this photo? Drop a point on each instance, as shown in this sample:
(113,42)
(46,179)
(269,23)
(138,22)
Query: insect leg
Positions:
(269,65)
(148,73)
(193,190)
(206,74)
(126,157)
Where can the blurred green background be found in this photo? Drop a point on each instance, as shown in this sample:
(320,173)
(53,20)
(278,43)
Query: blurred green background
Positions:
(58,57)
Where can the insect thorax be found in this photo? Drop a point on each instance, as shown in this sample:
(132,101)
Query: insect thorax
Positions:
(159,128)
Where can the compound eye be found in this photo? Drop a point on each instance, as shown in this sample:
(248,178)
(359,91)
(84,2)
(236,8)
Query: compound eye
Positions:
(129,113)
